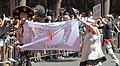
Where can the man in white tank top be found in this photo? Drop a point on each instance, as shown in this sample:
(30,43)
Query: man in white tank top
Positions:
(92,54)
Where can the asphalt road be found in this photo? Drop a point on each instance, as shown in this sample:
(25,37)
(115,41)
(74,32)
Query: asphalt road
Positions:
(74,62)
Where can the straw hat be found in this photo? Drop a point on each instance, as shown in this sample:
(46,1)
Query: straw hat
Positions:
(22,9)
(108,15)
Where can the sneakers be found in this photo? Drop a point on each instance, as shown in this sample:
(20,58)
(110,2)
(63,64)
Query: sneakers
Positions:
(12,60)
(19,59)
(8,62)
(61,57)
(117,64)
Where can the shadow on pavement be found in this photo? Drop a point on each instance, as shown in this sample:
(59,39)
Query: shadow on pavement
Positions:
(62,60)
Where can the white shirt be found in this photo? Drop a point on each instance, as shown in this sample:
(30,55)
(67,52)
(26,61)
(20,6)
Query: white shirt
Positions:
(91,47)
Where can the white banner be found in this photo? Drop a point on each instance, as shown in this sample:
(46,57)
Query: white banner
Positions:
(51,36)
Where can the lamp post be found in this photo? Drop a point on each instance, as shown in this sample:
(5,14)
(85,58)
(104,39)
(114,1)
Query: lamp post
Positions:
(102,7)
(118,39)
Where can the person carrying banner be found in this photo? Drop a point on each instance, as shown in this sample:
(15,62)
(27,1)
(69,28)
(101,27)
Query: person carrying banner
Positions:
(92,54)
(22,13)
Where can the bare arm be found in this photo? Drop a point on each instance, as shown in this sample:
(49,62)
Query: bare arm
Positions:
(90,27)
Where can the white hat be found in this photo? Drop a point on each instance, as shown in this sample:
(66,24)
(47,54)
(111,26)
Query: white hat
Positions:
(89,21)
(108,15)
(105,20)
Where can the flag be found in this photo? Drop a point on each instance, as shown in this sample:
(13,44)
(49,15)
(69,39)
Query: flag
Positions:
(75,11)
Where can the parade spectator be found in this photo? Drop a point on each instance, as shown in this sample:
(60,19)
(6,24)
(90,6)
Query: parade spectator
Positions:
(83,15)
(99,22)
(4,36)
(66,17)
(48,19)
(11,39)
(81,30)
(1,42)
(117,25)
(72,17)
(90,14)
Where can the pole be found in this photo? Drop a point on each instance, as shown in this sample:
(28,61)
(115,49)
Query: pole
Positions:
(4,45)
(5,50)
(102,8)
(51,52)
(118,39)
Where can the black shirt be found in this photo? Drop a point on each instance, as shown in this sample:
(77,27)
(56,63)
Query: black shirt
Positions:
(107,31)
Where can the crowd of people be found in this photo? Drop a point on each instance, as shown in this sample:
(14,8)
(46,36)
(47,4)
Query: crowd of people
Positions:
(96,35)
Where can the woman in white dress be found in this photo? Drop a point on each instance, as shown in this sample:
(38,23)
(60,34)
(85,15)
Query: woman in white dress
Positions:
(92,54)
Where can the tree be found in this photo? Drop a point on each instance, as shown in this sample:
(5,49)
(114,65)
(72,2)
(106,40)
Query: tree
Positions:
(105,6)
(97,2)
(22,2)
(58,5)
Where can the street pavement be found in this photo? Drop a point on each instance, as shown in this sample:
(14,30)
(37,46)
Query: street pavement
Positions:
(74,62)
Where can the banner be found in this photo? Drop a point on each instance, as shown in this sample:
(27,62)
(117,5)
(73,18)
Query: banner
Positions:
(51,36)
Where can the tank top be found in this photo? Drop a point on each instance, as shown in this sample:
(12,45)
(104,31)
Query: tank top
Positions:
(91,47)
